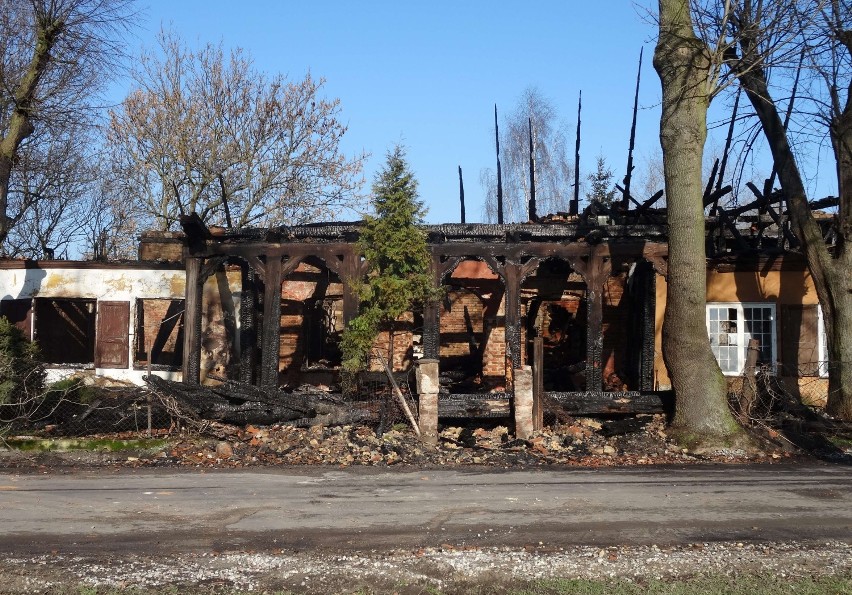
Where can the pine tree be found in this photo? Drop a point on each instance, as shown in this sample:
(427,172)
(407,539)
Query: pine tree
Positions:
(398,279)
(603,189)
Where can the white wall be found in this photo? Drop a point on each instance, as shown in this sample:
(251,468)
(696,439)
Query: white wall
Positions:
(105,283)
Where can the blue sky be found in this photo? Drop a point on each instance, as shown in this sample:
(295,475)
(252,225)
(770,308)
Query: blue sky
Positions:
(428,74)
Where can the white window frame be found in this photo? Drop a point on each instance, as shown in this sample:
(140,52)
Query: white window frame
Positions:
(741,336)
(822,351)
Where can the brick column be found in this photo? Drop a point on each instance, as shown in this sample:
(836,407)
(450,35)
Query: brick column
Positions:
(523,405)
(428,385)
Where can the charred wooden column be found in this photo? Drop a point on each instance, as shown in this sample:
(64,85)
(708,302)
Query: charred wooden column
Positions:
(192,321)
(649,329)
(271,332)
(512,323)
(248,324)
(432,316)
(596,272)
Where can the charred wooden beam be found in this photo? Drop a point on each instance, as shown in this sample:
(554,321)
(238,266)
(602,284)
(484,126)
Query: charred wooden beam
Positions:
(629,175)
(763,203)
(192,322)
(713,196)
(533,215)
(512,277)
(461,193)
(432,314)
(708,189)
(248,324)
(574,205)
(499,170)
(271,331)
(649,330)
(595,268)
(196,232)
(600,402)
(823,203)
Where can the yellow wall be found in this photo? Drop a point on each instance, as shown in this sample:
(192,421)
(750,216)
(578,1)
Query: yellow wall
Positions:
(778,287)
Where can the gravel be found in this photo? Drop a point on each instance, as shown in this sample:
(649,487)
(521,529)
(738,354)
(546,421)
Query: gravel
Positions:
(441,568)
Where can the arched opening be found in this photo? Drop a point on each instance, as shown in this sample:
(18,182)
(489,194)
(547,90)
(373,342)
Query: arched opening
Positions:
(553,302)
(472,348)
(311,324)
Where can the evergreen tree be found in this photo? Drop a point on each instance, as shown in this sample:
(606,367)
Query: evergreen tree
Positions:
(398,279)
(603,190)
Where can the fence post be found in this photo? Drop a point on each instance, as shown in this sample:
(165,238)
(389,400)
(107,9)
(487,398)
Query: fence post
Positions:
(749,392)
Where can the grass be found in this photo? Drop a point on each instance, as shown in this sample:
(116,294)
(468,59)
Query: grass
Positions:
(87,444)
(711,585)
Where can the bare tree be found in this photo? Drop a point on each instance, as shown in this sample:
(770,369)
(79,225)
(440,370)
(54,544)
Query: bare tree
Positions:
(554,172)
(50,191)
(207,132)
(688,72)
(55,57)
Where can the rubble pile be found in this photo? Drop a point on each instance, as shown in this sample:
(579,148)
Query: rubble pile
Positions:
(583,442)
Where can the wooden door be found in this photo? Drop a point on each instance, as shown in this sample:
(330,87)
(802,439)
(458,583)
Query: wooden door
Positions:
(112,349)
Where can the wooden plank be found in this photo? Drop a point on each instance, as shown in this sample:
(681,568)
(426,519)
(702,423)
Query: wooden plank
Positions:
(112,346)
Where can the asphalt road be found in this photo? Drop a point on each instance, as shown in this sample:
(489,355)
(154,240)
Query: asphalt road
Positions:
(159,512)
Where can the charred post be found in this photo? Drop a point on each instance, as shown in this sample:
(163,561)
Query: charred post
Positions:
(271,332)
(625,201)
(533,217)
(574,206)
(192,322)
(499,170)
(461,193)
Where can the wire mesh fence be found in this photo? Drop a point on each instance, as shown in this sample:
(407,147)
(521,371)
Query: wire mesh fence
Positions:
(73,408)
(760,392)
(388,397)
(80,411)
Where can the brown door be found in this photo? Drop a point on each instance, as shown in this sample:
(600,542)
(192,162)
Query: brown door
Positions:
(113,346)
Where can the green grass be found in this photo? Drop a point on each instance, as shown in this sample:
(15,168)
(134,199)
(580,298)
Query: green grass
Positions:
(88,444)
(718,585)
(713,585)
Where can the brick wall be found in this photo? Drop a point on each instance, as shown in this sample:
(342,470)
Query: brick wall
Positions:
(313,292)
(161,245)
(458,329)
(158,327)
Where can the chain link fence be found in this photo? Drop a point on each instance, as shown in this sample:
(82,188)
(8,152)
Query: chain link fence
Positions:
(760,392)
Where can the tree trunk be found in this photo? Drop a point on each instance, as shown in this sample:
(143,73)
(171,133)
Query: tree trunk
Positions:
(20,121)
(832,276)
(702,418)
(839,326)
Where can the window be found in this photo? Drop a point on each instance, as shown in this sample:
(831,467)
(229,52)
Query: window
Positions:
(731,326)
(65,330)
(159,333)
(823,344)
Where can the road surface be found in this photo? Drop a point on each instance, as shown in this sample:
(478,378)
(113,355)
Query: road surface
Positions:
(158,512)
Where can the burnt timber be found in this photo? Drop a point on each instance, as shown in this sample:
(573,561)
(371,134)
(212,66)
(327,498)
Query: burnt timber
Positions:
(512,252)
